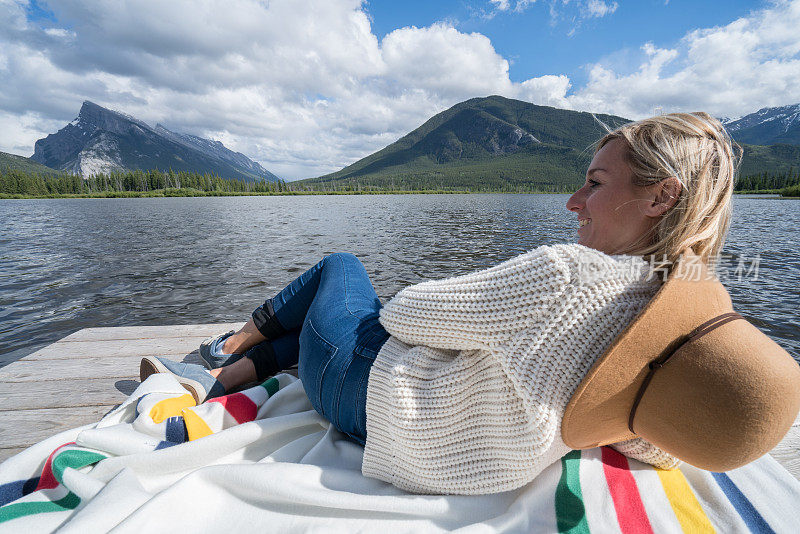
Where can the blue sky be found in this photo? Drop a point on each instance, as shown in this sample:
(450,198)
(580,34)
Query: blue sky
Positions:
(536,43)
(306,87)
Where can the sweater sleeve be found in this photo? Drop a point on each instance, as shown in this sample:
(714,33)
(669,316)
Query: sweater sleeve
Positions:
(644,451)
(478,310)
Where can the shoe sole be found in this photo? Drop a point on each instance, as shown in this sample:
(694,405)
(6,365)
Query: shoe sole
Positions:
(151,366)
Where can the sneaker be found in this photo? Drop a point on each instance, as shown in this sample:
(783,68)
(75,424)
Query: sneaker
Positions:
(211,357)
(191,376)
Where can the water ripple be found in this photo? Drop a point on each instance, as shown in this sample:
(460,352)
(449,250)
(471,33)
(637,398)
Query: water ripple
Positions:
(72,264)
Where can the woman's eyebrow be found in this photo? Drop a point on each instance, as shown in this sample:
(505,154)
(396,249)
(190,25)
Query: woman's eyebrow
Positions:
(596,169)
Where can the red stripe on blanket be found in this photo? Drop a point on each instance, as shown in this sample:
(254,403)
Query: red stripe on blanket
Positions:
(631,514)
(239,406)
(48,480)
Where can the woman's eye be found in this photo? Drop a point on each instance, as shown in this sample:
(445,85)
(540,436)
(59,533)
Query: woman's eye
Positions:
(592,183)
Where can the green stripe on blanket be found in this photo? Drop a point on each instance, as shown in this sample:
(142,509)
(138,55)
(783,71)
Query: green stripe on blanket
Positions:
(72,458)
(570,512)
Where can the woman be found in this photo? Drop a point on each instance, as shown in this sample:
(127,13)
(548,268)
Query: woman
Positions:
(459,385)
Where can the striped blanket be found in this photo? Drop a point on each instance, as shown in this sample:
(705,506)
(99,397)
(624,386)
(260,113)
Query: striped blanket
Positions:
(263,460)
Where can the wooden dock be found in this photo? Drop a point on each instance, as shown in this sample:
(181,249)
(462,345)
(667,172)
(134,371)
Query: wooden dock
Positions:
(82,377)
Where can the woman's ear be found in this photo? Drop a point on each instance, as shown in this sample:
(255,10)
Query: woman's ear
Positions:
(664,195)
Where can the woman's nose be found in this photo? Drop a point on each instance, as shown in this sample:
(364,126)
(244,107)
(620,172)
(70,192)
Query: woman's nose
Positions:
(575,202)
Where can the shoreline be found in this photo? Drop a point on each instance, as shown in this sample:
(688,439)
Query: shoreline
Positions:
(165,193)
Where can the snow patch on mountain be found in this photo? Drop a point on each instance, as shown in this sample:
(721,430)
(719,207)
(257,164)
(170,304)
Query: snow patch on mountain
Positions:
(778,125)
(101,140)
(787,116)
(100,157)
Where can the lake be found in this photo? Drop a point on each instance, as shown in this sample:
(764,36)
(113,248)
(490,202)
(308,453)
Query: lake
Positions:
(72,264)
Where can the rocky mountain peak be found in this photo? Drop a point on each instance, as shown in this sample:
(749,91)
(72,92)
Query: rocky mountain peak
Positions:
(786,115)
(92,117)
(102,140)
(767,126)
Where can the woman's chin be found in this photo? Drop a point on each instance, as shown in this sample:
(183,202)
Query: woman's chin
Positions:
(586,242)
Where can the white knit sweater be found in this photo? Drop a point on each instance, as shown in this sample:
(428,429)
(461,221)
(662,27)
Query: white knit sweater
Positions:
(468,393)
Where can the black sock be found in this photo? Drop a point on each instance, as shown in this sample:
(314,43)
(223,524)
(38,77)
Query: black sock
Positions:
(264,360)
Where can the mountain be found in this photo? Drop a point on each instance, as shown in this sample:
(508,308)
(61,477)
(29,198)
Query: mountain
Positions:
(503,144)
(102,140)
(12,162)
(491,141)
(217,150)
(767,126)
(770,159)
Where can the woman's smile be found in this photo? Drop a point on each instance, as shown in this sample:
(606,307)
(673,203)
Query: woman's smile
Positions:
(618,219)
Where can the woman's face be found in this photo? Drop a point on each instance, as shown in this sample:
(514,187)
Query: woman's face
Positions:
(610,208)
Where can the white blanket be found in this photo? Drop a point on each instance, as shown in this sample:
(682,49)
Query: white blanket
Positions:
(159,464)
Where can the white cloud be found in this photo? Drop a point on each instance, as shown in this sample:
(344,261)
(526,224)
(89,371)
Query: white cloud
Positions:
(507,5)
(443,61)
(18,132)
(599,8)
(305,87)
(573,12)
(726,70)
(60,33)
(548,90)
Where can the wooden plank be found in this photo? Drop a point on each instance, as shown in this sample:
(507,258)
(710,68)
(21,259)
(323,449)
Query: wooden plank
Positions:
(41,424)
(117,348)
(5,454)
(76,368)
(79,379)
(150,332)
(65,393)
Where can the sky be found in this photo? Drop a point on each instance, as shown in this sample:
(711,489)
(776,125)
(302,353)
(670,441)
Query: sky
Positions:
(306,87)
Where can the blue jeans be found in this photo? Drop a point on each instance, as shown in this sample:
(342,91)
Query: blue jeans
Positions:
(326,323)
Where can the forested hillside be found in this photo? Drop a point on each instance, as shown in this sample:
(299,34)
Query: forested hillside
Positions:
(500,144)
(491,144)
(10,162)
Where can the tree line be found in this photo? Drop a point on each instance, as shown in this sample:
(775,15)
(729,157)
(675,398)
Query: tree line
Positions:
(15,182)
(768,181)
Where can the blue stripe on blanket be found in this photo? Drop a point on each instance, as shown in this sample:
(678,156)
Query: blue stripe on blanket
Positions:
(11,491)
(742,504)
(176,430)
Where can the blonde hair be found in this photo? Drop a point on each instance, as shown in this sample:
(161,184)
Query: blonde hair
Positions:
(695,149)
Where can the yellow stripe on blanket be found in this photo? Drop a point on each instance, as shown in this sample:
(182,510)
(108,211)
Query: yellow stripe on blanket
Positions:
(683,501)
(196,428)
(170,407)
